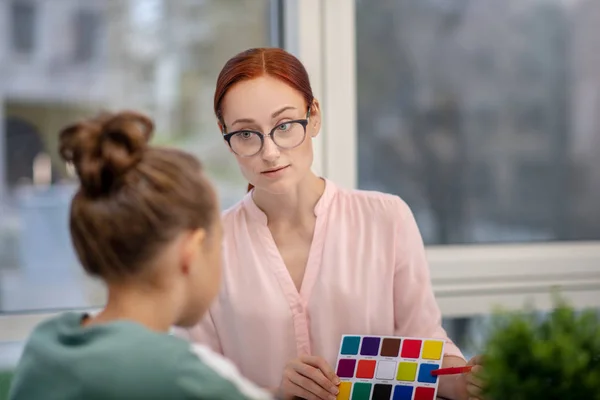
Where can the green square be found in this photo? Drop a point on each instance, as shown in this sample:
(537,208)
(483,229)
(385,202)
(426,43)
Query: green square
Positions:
(350,345)
(361,391)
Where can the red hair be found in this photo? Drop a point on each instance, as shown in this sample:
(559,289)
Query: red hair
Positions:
(257,62)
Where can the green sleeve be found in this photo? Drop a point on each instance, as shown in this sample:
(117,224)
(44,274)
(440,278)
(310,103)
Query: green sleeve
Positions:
(207,376)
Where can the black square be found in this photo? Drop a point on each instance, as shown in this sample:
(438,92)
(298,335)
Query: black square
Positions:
(382,392)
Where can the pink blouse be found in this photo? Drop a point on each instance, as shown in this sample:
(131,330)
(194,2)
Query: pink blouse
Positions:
(366,274)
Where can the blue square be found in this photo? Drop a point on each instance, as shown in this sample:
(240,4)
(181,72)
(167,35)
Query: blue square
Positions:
(425,373)
(350,345)
(402,393)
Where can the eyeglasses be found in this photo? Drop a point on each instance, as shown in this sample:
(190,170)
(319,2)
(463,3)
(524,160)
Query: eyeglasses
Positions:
(287,135)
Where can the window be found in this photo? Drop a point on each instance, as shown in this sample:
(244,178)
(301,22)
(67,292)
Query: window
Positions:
(428,113)
(168,72)
(361,59)
(415,61)
(87,24)
(23,26)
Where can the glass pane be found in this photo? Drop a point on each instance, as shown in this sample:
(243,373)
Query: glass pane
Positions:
(484,116)
(157,56)
(10,352)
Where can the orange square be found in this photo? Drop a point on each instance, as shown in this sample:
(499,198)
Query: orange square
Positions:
(366,369)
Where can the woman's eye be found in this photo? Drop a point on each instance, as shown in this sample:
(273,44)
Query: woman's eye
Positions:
(284,127)
(245,135)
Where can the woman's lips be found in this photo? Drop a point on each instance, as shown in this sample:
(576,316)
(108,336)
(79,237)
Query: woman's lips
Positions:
(274,172)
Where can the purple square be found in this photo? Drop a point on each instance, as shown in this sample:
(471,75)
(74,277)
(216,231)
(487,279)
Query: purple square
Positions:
(345,368)
(370,346)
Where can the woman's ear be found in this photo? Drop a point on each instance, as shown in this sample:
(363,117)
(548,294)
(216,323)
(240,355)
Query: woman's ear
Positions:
(222,130)
(314,120)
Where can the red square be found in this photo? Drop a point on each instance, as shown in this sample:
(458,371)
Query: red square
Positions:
(424,393)
(411,348)
(366,369)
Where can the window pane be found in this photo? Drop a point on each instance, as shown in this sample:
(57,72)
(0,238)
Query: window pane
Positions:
(86,25)
(23,26)
(484,116)
(10,352)
(158,56)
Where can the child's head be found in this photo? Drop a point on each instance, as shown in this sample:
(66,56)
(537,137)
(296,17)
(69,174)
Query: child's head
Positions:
(144,217)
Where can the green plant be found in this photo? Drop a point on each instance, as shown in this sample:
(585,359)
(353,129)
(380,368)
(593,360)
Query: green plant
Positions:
(552,357)
(5,378)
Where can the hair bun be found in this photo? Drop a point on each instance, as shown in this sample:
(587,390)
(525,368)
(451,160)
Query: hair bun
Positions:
(103,149)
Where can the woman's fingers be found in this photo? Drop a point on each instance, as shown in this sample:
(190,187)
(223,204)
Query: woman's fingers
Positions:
(473,376)
(316,377)
(306,384)
(319,362)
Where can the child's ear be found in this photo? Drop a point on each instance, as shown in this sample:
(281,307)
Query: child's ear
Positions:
(191,248)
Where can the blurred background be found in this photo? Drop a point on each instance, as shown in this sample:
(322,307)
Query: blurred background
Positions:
(484,115)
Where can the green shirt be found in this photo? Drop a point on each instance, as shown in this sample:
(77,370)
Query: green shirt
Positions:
(121,360)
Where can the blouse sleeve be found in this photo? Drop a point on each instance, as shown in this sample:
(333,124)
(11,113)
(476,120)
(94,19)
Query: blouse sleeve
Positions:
(204,333)
(417,313)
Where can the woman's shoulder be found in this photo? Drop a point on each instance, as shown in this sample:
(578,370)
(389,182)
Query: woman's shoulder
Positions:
(372,202)
(231,212)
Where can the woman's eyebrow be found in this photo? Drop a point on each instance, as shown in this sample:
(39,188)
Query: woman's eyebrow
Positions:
(281,110)
(273,115)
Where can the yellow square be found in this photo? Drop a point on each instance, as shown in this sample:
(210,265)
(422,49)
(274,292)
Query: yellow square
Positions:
(406,371)
(432,350)
(344,391)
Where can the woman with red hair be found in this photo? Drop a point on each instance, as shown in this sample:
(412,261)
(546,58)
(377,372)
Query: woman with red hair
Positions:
(304,260)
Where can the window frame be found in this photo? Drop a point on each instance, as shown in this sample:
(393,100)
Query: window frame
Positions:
(467,280)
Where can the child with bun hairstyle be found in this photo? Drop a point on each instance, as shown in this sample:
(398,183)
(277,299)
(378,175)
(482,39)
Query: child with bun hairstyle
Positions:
(146,221)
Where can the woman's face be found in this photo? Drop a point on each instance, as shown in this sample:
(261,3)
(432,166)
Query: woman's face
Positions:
(263,104)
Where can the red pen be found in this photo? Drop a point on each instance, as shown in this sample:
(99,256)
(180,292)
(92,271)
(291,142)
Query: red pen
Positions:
(451,371)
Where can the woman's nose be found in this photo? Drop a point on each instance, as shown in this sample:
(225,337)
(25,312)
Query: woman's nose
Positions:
(270,151)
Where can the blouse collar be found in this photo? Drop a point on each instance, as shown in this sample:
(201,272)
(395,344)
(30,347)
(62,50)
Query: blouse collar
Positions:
(321,207)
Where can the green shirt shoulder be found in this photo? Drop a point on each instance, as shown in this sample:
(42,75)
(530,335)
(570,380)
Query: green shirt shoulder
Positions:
(121,360)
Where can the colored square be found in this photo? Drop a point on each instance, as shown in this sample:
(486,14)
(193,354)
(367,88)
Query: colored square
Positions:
(362,391)
(386,369)
(366,369)
(345,368)
(344,391)
(424,393)
(403,393)
(350,345)
(406,371)
(382,392)
(425,373)
(432,350)
(370,346)
(411,348)
(390,347)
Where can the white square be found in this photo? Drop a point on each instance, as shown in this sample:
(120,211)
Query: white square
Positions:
(386,369)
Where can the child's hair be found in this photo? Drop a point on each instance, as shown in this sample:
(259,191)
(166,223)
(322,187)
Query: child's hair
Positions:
(133,197)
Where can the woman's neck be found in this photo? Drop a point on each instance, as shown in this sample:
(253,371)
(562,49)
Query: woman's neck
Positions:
(293,207)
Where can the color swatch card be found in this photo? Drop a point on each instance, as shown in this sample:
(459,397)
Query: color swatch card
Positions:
(390,368)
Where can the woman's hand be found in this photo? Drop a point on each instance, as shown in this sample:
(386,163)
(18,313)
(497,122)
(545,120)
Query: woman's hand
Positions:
(469,385)
(308,377)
